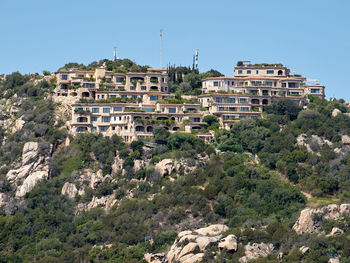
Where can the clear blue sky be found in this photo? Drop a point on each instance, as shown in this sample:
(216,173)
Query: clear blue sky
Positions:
(312,37)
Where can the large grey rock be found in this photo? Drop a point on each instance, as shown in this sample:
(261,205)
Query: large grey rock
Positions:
(196,242)
(33,168)
(335,112)
(306,222)
(69,190)
(345,139)
(166,167)
(96,179)
(229,243)
(255,251)
(155,258)
(304,249)
(335,231)
(30,182)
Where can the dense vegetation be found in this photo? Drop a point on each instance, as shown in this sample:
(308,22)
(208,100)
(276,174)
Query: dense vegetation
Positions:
(252,182)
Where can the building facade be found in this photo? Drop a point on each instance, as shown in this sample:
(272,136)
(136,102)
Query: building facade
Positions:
(132,104)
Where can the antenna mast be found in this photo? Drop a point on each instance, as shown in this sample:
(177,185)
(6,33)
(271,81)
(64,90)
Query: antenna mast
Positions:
(160,51)
(196,59)
(115,54)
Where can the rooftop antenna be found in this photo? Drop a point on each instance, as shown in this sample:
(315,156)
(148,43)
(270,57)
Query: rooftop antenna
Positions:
(115,54)
(195,58)
(160,51)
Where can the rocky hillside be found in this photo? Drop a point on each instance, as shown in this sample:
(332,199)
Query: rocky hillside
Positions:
(268,190)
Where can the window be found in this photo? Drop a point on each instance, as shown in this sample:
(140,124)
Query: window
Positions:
(103,96)
(257,71)
(106,110)
(233,83)
(79,129)
(110,87)
(172,110)
(64,77)
(134,97)
(239,71)
(270,71)
(103,128)
(242,117)
(218,100)
(118,79)
(95,110)
(148,109)
(244,108)
(315,91)
(216,84)
(193,119)
(80,109)
(143,88)
(221,108)
(242,100)
(153,98)
(94,118)
(231,100)
(117,108)
(291,85)
(106,119)
(64,86)
(132,88)
(249,72)
(268,83)
(284,85)
(253,117)
(89,85)
(93,128)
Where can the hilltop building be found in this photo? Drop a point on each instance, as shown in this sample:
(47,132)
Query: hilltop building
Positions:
(132,104)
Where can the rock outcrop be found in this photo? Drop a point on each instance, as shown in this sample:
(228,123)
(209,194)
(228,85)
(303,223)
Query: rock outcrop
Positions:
(313,144)
(166,167)
(335,112)
(310,219)
(189,246)
(32,169)
(186,165)
(255,251)
(335,231)
(345,139)
(229,243)
(69,190)
(105,201)
(304,249)
(154,258)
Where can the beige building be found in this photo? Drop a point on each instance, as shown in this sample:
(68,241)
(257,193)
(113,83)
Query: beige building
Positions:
(132,104)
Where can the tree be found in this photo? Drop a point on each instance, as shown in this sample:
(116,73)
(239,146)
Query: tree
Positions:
(160,135)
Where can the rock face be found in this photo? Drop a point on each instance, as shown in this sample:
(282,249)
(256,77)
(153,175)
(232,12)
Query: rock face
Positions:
(189,246)
(255,251)
(32,169)
(304,249)
(18,125)
(229,243)
(166,167)
(154,258)
(335,112)
(345,139)
(105,201)
(69,190)
(334,260)
(314,144)
(307,222)
(336,231)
